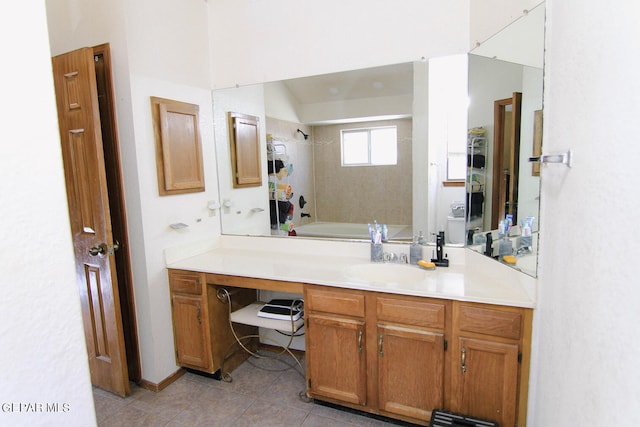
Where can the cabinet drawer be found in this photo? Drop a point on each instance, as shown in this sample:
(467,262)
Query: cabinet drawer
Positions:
(185,282)
(337,301)
(413,312)
(489,321)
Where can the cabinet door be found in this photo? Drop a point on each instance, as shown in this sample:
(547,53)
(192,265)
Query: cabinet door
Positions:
(410,371)
(244,133)
(336,359)
(485,380)
(178,146)
(189,330)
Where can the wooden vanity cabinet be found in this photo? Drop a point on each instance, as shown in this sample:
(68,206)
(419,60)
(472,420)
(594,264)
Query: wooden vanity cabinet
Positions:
(394,355)
(404,356)
(490,352)
(376,352)
(202,336)
(336,344)
(411,345)
(190,329)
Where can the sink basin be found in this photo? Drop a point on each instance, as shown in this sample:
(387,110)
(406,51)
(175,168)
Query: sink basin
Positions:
(385,273)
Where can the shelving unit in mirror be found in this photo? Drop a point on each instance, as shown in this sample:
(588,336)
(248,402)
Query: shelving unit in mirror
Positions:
(476,177)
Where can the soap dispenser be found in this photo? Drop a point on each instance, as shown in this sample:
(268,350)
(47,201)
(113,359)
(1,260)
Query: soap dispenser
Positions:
(415,251)
(440,260)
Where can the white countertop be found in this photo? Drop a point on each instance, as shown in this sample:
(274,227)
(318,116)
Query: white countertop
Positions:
(470,277)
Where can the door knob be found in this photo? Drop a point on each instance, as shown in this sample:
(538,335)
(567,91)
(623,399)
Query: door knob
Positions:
(98,250)
(103,249)
(115,247)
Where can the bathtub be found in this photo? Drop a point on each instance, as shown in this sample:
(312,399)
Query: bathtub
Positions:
(346,230)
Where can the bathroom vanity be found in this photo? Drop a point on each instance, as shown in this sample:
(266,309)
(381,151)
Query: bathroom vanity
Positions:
(403,356)
(455,338)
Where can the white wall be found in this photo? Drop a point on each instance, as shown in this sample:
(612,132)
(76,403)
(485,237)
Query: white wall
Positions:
(489,16)
(166,50)
(447,132)
(282,39)
(43,360)
(159,48)
(424,190)
(280,103)
(156,213)
(586,351)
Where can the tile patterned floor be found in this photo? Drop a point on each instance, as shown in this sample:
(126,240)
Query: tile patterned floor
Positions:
(264,392)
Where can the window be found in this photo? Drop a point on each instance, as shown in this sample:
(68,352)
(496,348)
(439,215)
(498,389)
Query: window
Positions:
(370,147)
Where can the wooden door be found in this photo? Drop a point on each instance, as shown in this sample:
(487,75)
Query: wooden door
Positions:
(336,358)
(410,371)
(485,380)
(83,157)
(506,158)
(189,320)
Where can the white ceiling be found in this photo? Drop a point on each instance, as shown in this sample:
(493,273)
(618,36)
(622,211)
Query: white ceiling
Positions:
(391,80)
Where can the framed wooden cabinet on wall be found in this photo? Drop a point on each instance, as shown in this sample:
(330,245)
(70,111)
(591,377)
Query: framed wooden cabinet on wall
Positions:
(244,136)
(178,146)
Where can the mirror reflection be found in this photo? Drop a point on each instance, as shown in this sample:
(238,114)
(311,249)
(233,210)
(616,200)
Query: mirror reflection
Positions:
(505,119)
(347,149)
(395,144)
(348,138)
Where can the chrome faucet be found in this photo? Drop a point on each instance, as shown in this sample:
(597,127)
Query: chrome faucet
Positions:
(394,258)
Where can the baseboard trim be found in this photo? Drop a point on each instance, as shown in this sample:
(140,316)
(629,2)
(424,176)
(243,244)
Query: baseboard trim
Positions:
(164,383)
(180,372)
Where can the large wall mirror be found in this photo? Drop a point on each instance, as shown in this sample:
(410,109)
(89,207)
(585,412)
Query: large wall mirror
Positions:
(348,149)
(327,173)
(505,111)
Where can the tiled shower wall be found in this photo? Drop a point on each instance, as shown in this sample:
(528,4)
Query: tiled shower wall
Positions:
(367,193)
(345,194)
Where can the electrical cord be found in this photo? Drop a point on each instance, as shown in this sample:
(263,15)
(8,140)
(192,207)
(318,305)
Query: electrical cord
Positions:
(224,296)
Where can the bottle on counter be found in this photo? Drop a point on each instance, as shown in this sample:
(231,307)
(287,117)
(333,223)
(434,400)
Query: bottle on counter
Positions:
(415,251)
